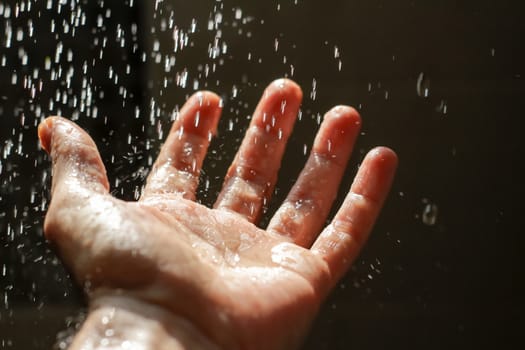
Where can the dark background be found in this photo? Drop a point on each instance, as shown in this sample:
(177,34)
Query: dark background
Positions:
(442,83)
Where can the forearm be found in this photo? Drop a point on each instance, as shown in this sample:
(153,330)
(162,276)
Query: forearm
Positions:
(117,322)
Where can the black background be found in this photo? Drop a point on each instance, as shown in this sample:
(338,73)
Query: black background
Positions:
(455,284)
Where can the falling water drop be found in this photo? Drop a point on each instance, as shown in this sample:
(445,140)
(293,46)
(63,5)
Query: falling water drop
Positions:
(313,93)
(430,214)
(423,85)
(238,13)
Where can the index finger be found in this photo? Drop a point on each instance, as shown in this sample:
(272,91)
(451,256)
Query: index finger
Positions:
(177,168)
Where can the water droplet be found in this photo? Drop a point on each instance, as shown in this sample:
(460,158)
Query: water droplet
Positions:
(443,107)
(283,107)
(238,13)
(313,93)
(423,85)
(430,214)
(197,119)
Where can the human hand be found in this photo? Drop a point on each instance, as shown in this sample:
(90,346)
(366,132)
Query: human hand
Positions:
(166,272)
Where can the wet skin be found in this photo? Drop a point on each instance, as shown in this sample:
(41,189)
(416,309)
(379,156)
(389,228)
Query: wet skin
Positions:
(166,272)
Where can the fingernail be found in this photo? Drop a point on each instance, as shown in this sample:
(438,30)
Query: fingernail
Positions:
(45,130)
(338,132)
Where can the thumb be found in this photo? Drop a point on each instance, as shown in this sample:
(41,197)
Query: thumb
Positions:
(77,165)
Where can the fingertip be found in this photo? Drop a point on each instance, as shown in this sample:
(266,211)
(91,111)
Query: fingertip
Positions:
(338,133)
(284,88)
(44,135)
(45,132)
(343,117)
(201,113)
(376,174)
(384,156)
(344,112)
(206,100)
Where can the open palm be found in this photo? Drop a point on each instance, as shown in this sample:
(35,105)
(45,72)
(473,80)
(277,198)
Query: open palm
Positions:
(240,285)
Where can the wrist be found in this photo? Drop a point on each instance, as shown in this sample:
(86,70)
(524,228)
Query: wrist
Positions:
(121,322)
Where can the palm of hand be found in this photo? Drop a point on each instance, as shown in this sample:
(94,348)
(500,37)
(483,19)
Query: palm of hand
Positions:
(215,267)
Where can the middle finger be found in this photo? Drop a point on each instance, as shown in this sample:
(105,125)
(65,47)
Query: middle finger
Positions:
(251,178)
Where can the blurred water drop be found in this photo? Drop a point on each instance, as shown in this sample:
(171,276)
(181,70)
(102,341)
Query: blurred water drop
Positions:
(197,119)
(443,107)
(238,13)
(313,93)
(430,214)
(283,106)
(423,85)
